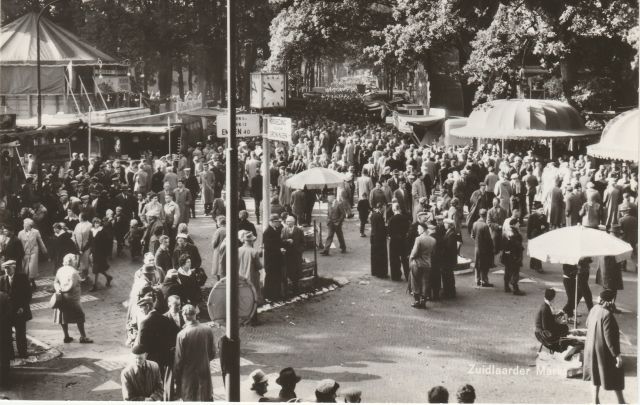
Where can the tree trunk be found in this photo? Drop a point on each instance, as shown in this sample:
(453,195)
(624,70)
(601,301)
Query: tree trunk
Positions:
(468,90)
(180,81)
(249,64)
(567,72)
(190,77)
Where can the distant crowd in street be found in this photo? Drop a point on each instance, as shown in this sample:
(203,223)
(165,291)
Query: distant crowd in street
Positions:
(416,200)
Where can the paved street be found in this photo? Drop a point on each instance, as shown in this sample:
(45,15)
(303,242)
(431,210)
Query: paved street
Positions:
(363,334)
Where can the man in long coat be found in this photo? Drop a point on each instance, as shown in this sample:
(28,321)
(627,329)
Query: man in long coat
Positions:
(208,181)
(219,238)
(602,359)
(299,206)
(555,205)
(611,199)
(495,218)
(483,256)
(536,226)
(195,349)
(293,240)
(479,199)
(503,191)
(398,256)
(273,260)
(418,190)
(184,199)
(16,286)
(379,260)
(572,205)
(449,260)
(6,344)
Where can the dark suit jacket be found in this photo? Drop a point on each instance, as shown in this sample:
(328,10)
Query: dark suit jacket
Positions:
(545,322)
(272,244)
(19,295)
(158,335)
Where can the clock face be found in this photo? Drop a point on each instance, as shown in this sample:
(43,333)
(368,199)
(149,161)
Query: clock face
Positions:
(273,90)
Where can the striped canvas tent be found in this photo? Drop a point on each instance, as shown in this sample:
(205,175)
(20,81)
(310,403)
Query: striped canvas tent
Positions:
(58,47)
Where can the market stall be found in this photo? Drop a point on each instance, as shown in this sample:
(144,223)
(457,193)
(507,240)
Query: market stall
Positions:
(542,121)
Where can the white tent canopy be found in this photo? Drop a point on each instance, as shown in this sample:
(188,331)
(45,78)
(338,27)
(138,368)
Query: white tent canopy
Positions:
(619,138)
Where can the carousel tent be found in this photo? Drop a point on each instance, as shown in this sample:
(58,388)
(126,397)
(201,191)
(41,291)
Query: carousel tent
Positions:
(619,138)
(524,119)
(58,47)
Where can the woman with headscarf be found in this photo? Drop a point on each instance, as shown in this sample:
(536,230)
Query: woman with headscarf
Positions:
(32,244)
(602,358)
(67,283)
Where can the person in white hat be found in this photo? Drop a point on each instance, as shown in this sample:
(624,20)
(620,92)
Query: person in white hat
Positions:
(259,385)
(326,391)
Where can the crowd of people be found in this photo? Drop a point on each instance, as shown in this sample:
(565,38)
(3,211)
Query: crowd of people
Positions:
(416,198)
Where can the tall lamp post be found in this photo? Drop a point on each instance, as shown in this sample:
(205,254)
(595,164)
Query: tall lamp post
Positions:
(46,6)
(232,326)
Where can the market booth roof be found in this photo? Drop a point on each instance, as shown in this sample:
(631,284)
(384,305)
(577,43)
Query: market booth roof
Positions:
(524,119)
(57,45)
(619,138)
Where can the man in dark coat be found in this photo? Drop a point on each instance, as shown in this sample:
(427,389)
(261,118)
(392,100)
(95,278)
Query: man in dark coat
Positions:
(479,199)
(16,286)
(602,358)
(273,260)
(13,249)
(449,260)
(157,334)
(379,261)
(299,206)
(512,253)
(536,226)
(184,247)
(398,256)
(293,239)
(550,332)
(6,345)
(495,219)
(256,193)
(483,256)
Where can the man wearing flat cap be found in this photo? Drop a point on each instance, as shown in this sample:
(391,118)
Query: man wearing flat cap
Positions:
(155,334)
(16,286)
(326,391)
(141,379)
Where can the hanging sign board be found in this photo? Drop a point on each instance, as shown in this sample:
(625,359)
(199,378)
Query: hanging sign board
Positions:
(279,129)
(247,125)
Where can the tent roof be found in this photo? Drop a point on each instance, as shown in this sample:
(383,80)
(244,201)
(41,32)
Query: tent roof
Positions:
(619,138)
(524,119)
(57,46)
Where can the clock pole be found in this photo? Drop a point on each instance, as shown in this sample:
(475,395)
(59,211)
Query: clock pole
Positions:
(266,180)
(232,328)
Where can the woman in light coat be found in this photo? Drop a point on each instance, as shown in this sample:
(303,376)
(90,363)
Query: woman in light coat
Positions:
(32,245)
(67,283)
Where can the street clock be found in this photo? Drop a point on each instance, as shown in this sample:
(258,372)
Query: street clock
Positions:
(268,90)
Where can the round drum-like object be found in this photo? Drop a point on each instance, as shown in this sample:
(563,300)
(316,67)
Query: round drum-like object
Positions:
(247,301)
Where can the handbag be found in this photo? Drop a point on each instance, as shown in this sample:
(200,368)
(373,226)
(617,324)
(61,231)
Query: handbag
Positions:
(56,300)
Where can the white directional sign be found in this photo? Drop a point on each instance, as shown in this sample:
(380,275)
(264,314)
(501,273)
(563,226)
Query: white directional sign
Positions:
(279,129)
(246,125)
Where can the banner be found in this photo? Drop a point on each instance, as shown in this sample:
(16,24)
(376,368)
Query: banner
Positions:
(279,129)
(247,125)
(116,83)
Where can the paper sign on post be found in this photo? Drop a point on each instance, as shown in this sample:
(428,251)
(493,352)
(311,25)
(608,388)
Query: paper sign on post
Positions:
(246,125)
(279,129)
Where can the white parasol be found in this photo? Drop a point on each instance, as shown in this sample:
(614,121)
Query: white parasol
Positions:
(316,178)
(569,245)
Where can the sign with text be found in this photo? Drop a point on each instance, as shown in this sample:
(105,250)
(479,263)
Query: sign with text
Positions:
(279,129)
(246,125)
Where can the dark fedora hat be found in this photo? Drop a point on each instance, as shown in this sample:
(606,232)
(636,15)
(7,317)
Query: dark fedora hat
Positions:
(287,376)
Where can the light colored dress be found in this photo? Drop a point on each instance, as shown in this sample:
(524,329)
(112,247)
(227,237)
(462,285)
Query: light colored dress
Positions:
(31,243)
(82,239)
(249,267)
(67,281)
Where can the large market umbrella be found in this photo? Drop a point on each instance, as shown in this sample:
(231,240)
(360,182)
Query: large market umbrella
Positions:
(569,245)
(619,138)
(316,178)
